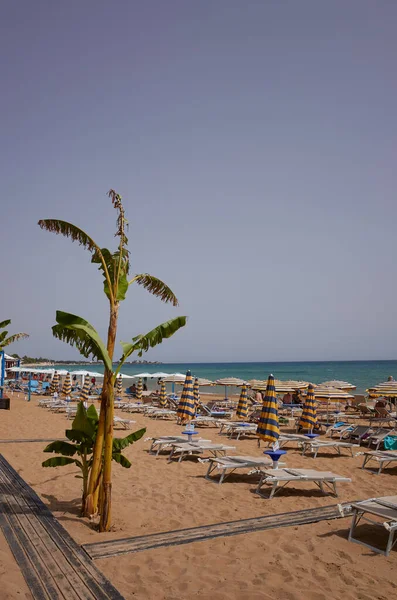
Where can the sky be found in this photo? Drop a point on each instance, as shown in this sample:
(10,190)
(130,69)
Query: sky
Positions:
(254,145)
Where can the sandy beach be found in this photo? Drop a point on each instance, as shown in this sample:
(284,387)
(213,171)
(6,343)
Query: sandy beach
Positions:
(312,561)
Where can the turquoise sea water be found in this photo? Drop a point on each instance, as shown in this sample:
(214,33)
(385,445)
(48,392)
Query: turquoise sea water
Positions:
(361,373)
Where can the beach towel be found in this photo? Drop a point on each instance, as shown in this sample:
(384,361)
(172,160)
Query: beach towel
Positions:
(390,442)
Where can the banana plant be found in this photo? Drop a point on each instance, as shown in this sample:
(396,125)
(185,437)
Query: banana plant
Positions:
(115,270)
(6,341)
(81,443)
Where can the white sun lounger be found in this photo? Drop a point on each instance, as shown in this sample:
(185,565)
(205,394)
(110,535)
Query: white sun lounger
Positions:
(279,478)
(291,438)
(206,420)
(125,423)
(383,457)
(228,464)
(190,449)
(164,442)
(315,445)
(238,430)
(385,509)
(134,407)
(161,413)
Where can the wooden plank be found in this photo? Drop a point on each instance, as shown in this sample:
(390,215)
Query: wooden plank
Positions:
(54,566)
(63,580)
(111,548)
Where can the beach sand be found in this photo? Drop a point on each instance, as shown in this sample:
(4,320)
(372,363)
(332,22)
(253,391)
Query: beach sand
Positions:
(312,561)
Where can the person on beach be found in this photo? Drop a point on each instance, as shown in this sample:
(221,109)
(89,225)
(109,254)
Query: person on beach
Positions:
(258,398)
(144,387)
(390,378)
(132,390)
(296,398)
(287,398)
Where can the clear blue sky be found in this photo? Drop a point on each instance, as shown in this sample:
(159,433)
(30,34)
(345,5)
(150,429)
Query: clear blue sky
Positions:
(254,144)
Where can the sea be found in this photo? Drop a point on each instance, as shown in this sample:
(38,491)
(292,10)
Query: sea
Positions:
(362,374)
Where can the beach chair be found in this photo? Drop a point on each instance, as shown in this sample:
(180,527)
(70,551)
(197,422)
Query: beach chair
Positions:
(356,434)
(238,430)
(315,445)
(383,457)
(384,510)
(227,465)
(291,438)
(165,442)
(204,420)
(338,429)
(124,423)
(279,478)
(382,415)
(162,413)
(194,448)
(366,411)
(376,438)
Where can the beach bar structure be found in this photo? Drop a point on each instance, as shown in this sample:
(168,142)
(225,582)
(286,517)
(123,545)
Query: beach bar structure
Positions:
(6,362)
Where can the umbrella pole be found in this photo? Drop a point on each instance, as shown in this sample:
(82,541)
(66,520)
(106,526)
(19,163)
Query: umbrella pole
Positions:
(29,385)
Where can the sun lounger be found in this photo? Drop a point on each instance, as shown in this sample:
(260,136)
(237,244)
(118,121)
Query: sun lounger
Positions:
(162,413)
(375,439)
(164,442)
(383,457)
(134,407)
(201,420)
(239,429)
(124,423)
(228,464)
(384,509)
(190,449)
(315,445)
(382,415)
(356,434)
(338,429)
(279,478)
(291,438)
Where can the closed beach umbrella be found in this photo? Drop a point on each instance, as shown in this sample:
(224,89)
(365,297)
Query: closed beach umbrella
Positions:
(55,383)
(139,389)
(268,429)
(308,419)
(67,385)
(163,395)
(186,408)
(86,390)
(119,386)
(196,393)
(242,407)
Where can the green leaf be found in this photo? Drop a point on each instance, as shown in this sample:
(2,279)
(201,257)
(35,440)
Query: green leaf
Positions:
(156,287)
(142,343)
(78,332)
(92,413)
(122,460)
(5,323)
(57,461)
(75,435)
(112,262)
(121,443)
(61,448)
(82,423)
(13,338)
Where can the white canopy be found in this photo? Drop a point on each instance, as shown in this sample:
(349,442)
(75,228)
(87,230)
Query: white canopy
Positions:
(86,373)
(175,378)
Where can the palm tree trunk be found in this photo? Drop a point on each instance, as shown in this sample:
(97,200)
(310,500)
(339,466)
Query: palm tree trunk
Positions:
(104,436)
(108,400)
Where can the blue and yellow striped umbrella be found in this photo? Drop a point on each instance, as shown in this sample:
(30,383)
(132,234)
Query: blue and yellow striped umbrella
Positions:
(85,392)
(186,409)
(67,385)
(196,393)
(139,389)
(242,407)
(55,383)
(308,418)
(119,386)
(268,429)
(163,395)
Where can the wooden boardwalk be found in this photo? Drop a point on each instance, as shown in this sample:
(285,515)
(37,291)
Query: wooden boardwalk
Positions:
(54,566)
(111,548)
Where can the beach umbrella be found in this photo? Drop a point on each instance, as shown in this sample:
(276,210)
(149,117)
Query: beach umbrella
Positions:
(268,429)
(55,383)
(387,389)
(340,385)
(163,395)
(229,381)
(85,392)
(186,408)
(139,389)
(196,393)
(308,419)
(175,378)
(119,386)
(67,385)
(242,407)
